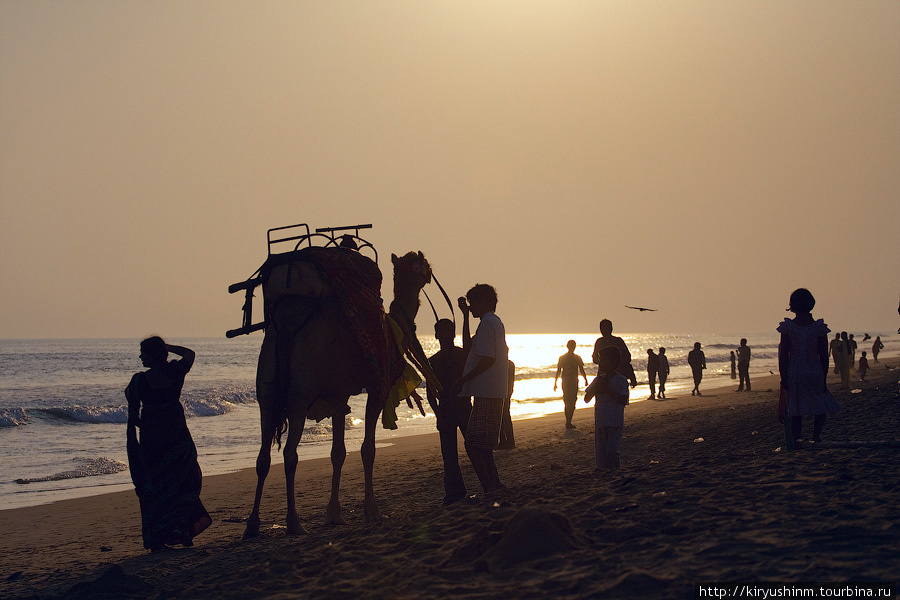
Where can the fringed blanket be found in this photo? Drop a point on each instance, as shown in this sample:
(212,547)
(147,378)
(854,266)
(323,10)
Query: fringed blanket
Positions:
(356,282)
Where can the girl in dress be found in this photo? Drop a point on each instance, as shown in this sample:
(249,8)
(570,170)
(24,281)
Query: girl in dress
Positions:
(803,364)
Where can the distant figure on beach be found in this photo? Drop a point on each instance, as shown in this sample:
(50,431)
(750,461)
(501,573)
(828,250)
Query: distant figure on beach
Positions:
(845,361)
(866,337)
(569,366)
(837,352)
(853,346)
(733,364)
(163,462)
(663,373)
(803,365)
(451,408)
(607,339)
(485,378)
(697,361)
(652,370)
(743,365)
(877,346)
(611,390)
(507,437)
(863,366)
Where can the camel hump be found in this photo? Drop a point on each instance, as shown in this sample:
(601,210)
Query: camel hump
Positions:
(314,272)
(295,278)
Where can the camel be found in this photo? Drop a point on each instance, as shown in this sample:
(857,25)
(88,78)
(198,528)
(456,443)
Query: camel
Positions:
(312,360)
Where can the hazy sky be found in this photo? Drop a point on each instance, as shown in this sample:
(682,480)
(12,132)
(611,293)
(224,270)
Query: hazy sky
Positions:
(702,158)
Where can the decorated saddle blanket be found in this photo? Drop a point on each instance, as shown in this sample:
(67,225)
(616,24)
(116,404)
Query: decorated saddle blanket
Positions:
(355,281)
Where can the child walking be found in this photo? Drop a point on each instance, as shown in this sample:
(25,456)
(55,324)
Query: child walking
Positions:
(863,366)
(611,390)
(803,365)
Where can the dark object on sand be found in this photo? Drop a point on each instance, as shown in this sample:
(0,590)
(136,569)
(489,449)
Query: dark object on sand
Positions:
(530,534)
(113,583)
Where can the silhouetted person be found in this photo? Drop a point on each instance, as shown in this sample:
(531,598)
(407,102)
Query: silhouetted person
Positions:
(845,362)
(866,337)
(803,365)
(569,366)
(663,373)
(652,370)
(611,390)
(863,366)
(733,365)
(697,361)
(485,378)
(163,463)
(607,339)
(452,409)
(877,346)
(507,437)
(743,365)
(852,345)
(837,353)
(348,242)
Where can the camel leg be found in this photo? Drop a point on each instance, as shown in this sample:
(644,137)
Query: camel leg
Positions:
(263,462)
(338,454)
(295,431)
(370,505)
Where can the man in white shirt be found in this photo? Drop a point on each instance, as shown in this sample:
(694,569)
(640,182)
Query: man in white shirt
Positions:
(485,379)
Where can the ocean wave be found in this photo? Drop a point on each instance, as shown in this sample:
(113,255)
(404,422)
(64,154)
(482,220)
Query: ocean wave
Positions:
(13,417)
(206,407)
(89,414)
(87,467)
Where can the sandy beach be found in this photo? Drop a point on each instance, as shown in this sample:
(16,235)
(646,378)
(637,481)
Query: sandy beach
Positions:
(706,493)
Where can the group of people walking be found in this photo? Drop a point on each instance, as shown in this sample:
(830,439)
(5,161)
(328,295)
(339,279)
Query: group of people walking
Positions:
(570,366)
(843,352)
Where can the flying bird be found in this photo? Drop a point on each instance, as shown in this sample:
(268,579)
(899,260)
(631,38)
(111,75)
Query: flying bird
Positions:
(640,308)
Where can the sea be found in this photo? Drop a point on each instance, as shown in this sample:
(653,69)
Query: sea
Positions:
(63,410)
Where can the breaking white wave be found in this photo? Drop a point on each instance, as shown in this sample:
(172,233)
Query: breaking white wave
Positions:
(87,467)
(13,417)
(89,414)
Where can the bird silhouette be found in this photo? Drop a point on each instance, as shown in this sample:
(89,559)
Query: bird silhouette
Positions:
(640,308)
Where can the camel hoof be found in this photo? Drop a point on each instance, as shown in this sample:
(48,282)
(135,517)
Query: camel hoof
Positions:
(294,527)
(373,515)
(334,519)
(333,515)
(252,529)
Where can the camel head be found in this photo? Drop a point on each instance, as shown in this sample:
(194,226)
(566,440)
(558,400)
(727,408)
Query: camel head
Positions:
(411,269)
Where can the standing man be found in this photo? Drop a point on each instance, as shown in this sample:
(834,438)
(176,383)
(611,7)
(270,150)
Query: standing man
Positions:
(837,352)
(452,409)
(652,369)
(569,365)
(608,339)
(485,378)
(743,364)
(697,360)
(663,373)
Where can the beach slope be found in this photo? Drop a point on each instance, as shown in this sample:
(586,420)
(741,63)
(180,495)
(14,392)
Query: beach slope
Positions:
(706,493)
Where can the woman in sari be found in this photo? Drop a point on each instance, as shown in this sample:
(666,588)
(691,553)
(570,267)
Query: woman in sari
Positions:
(163,463)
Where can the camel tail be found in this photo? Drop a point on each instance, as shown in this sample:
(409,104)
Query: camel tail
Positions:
(279,431)
(291,314)
(282,387)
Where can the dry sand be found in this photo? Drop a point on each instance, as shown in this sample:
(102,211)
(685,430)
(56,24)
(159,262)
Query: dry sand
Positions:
(729,508)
